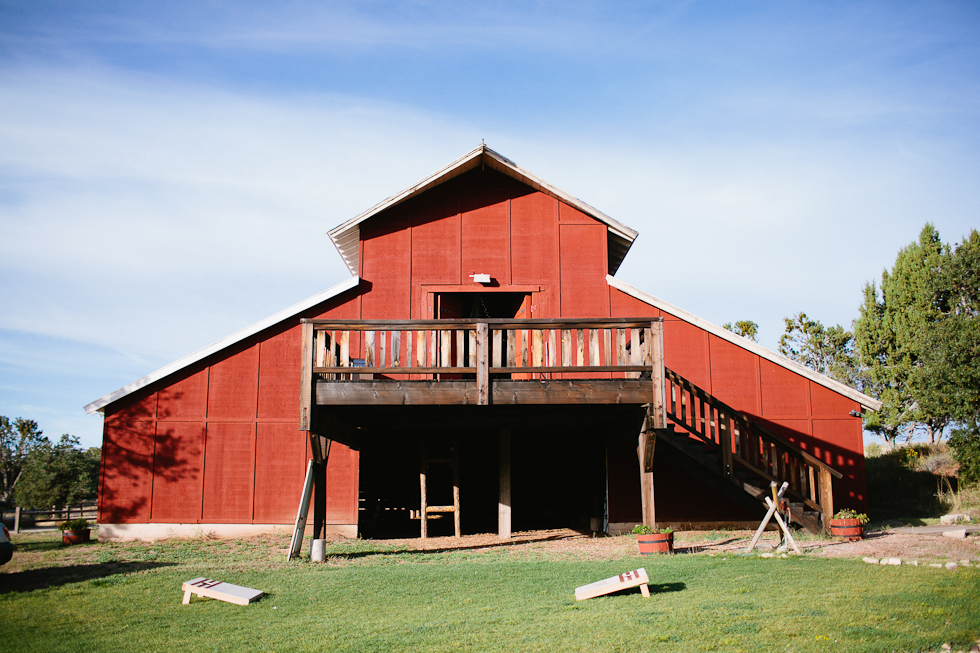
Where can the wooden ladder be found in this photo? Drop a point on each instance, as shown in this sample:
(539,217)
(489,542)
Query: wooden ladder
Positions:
(427,460)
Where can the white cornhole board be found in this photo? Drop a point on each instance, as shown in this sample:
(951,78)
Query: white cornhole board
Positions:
(615,584)
(215,589)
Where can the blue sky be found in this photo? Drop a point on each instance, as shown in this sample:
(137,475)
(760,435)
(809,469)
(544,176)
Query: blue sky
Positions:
(168,173)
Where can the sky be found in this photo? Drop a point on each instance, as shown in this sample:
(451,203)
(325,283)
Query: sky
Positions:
(168,171)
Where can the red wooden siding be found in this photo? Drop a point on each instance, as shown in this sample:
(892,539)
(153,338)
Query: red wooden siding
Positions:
(280,468)
(279,381)
(178,472)
(485,229)
(232,384)
(534,243)
(584,291)
(127,477)
(220,443)
(229,480)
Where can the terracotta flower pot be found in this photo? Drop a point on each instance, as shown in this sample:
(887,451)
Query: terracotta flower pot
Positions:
(847,529)
(655,543)
(76,537)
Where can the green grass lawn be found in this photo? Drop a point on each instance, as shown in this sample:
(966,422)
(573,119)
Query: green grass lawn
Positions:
(126,597)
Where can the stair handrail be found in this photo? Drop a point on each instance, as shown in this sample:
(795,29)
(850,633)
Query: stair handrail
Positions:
(765,433)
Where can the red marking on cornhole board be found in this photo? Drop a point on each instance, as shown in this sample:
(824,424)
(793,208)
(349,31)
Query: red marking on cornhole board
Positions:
(637,577)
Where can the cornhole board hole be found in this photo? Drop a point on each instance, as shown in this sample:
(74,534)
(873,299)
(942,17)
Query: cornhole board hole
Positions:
(215,589)
(615,584)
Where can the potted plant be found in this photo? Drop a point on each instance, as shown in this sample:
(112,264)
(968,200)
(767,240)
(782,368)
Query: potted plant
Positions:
(848,524)
(653,541)
(75,531)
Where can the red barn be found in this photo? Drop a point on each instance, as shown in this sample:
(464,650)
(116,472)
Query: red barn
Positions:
(504,379)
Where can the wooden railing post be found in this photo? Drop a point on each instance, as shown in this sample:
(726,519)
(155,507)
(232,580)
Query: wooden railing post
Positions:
(306,376)
(659,408)
(826,496)
(482,364)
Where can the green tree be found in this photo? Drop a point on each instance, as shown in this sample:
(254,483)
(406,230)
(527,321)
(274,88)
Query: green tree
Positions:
(829,351)
(948,379)
(745,328)
(58,474)
(17,440)
(891,345)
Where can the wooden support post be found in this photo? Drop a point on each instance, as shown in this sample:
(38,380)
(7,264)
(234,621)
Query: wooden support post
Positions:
(826,496)
(658,407)
(423,495)
(646,480)
(319,500)
(503,503)
(482,364)
(306,376)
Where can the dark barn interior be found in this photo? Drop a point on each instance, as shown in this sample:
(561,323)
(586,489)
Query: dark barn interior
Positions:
(559,465)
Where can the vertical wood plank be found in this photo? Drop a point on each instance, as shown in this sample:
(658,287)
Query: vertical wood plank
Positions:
(306,377)
(826,497)
(655,342)
(580,347)
(607,342)
(445,359)
(594,347)
(621,347)
(345,349)
(525,345)
(396,348)
(460,350)
(537,346)
(382,359)
(553,355)
(409,359)
(511,348)
(566,348)
(472,352)
(369,349)
(482,369)
(498,347)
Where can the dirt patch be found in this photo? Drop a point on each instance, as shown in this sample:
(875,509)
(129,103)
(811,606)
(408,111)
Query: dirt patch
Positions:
(930,547)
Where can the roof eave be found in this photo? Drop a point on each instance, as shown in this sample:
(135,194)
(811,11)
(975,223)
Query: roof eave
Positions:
(864,400)
(99,405)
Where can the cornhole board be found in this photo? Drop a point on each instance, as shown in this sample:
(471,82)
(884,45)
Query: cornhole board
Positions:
(215,589)
(615,584)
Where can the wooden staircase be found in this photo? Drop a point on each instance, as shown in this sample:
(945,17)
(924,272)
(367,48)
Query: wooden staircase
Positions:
(730,447)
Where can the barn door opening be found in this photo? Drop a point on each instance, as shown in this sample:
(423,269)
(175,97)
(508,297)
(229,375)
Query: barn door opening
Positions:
(476,305)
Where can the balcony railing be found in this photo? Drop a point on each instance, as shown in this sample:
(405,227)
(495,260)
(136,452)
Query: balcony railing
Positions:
(442,350)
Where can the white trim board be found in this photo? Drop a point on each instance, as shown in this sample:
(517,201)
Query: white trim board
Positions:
(771,356)
(346,236)
(238,336)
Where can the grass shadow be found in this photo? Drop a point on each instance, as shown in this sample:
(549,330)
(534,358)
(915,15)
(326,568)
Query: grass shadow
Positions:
(36,579)
(664,588)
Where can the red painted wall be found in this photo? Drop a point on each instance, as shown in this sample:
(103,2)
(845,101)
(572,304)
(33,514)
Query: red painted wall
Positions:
(219,442)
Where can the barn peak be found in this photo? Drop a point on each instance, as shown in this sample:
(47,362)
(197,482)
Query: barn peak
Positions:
(346,237)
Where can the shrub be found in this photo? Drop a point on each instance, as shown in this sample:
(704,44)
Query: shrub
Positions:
(847,513)
(74,525)
(642,529)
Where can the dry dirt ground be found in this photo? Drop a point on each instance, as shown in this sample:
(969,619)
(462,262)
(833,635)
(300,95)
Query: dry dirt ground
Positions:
(922,547)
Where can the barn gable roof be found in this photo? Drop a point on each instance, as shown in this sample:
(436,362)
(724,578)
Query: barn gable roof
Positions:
(346,237)
(745,343)
(238,336)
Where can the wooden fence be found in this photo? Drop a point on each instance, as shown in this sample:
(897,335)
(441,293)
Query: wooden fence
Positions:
(16,517)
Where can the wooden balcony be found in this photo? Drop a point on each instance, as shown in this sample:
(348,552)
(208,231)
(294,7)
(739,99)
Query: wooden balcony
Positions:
(481,362)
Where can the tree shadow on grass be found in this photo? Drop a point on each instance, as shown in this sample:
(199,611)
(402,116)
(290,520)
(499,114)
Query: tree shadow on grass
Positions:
(36,579)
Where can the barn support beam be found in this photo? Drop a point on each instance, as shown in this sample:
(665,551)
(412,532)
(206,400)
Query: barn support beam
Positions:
(646,477)
(503,502)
